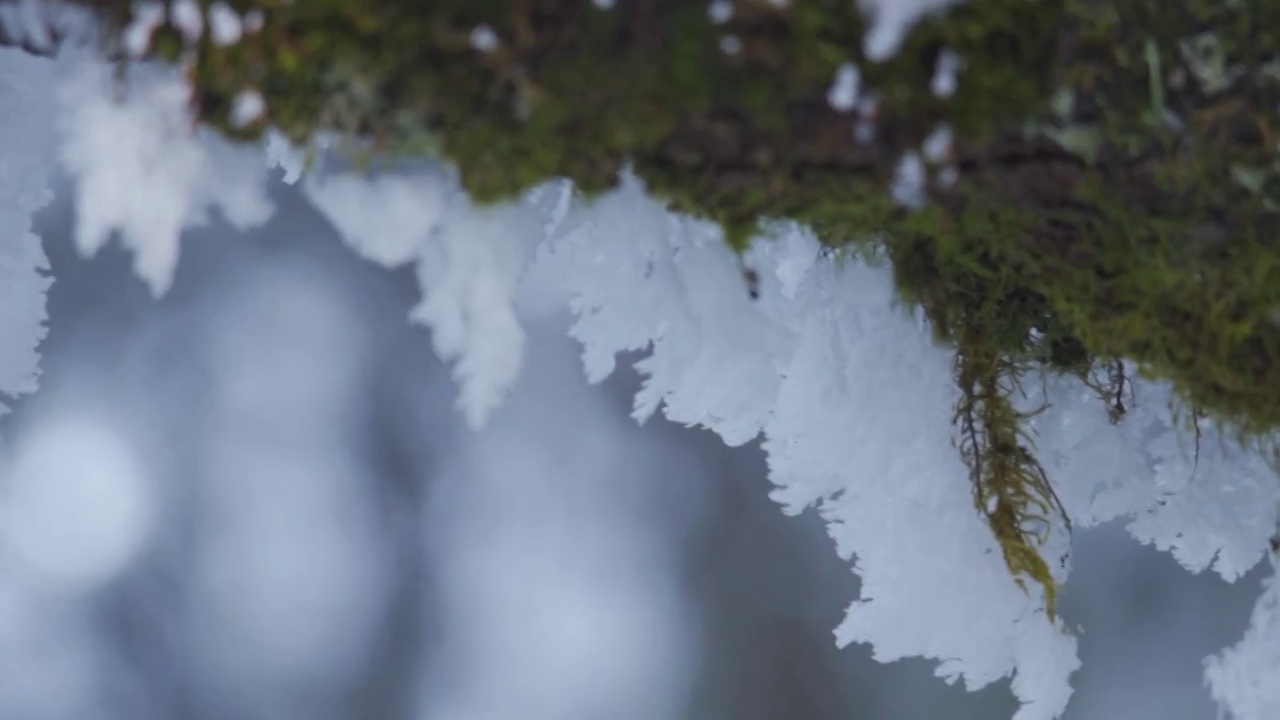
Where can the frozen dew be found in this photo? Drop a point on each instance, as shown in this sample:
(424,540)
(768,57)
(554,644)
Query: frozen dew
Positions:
(247,108)
(890,22)
(147,16)
(254,21)
(484,38)
(225,27)
(867,106)
(843,95)
(938,145)
(946,74)
(947,177)
(187,17)
(908,181)
(720,11)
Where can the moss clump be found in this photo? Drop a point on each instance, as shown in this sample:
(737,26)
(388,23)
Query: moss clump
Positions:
(1112,190)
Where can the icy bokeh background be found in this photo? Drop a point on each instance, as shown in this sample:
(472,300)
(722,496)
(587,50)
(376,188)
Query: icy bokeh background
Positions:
(255,499)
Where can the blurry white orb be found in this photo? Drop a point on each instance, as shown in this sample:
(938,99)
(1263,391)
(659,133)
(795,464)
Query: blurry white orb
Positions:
(74,505)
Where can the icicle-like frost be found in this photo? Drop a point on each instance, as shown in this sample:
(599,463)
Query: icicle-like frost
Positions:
(639,276)
(853,397)
(1217,510)
(142,169)
(855,402)
(469,260)
(26,156)
(1245,678)
(385,219)
(470,270)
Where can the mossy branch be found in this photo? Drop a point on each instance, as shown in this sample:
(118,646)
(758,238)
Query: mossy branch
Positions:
(1112,184)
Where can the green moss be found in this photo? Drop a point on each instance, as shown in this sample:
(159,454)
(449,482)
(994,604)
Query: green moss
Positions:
(1010,487)
(1117,183)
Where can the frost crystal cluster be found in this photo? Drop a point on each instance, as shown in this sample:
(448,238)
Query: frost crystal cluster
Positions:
(26,159)
(797,345)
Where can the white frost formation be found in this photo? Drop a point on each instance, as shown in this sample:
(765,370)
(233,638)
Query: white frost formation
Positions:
(26,159)
(1245,678)
(851,395)
(144,170)
(853,399)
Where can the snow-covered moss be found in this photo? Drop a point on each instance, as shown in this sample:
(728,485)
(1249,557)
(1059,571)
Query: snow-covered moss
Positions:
(1098,178)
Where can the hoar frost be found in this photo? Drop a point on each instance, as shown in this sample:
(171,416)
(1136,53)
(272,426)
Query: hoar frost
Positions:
(26,156)
(850,393)
(812,363)
(143,169)
(1245,678)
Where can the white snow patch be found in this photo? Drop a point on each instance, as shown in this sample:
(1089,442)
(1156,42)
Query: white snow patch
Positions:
(188,18)
(485,39)
(908,181)
(946,75)
(225,27)
(147,18)
(937,146)
(890,22)
(720,11)
(248,107)
(843,95)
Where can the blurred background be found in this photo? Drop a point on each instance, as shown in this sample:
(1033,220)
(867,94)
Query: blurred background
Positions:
(254,500)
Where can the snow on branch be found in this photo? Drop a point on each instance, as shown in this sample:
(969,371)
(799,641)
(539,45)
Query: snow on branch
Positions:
(804,346)
(810,349)
(854,400)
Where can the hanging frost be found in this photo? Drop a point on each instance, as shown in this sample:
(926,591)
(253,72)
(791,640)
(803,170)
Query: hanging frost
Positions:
(469,263)
(1245,678)
(385,219)
(470,271)
(852,395)
(26,155)
(143,169)
(854,400)
(638,275)
(1210,506)
(862,430)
